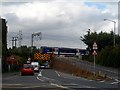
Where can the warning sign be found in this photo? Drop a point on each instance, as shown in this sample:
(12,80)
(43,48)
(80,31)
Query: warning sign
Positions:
(94,53)
(95,46)
(39,56)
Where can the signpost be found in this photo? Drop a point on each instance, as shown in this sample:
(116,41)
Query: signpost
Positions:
(94,54)
(11,61)
(29,60)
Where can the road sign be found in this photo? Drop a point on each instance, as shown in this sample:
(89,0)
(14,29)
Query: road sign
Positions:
(95,46)
(12,60)
(94,53)
(39,56)
(29,59)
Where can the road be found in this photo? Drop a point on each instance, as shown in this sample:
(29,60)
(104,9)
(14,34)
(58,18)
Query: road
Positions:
(49,79)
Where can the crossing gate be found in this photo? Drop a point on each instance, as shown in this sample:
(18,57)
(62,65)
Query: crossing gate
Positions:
(39,56)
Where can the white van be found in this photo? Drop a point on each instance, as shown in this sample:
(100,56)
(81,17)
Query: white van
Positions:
(35,66)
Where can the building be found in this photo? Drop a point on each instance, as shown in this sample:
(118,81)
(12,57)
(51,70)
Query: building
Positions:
(119,26)
(3,43)
(3,30)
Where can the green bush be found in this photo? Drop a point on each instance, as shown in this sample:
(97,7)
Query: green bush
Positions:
(109,56)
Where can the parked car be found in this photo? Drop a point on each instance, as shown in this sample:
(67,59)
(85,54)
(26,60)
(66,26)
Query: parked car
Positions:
(27,70)
(41,67)
(47,66)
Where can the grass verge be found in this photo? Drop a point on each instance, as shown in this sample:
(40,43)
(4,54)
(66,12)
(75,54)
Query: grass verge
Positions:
(68,67)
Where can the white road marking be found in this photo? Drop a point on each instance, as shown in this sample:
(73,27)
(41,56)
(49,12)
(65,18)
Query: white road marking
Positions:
(90,80)
(64,75)
(49,78)
(74,84)
(46,78)
(24,87)
(40,79)
(117,81)
(57,73)
(12,84)
(114,82)
(39,74)
(89,87)
(60,86)
(30,87)
(102,81)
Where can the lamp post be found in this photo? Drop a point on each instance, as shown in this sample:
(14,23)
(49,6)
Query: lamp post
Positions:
(39,34)
(114,30)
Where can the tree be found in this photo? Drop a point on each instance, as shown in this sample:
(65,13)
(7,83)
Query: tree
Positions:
(24,52)
(107,54)
(102,39)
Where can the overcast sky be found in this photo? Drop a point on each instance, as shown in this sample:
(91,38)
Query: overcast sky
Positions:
(61,22)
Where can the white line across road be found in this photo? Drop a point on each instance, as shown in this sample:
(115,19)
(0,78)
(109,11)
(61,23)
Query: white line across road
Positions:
(60,86)
(12,84)
(19,86)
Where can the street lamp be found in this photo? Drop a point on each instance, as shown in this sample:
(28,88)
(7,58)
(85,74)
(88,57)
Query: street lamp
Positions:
(114,30)
(39,34)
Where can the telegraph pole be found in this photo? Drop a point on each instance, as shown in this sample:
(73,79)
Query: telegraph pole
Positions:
(12,42)
(20,38)
(14,39)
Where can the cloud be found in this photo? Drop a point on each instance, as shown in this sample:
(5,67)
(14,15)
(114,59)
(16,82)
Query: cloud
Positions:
(59,21)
